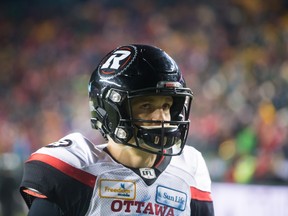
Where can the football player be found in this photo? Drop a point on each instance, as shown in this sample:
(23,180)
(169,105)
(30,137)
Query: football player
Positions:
(140,103)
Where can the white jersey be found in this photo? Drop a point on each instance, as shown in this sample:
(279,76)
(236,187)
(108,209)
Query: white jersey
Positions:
(83,179)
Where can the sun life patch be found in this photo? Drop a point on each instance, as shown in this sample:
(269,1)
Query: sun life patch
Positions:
(170,197)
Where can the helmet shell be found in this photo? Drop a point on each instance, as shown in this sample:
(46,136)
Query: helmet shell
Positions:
(135,67)
(130,71)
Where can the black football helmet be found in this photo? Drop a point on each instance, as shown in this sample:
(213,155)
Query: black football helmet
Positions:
(135,71)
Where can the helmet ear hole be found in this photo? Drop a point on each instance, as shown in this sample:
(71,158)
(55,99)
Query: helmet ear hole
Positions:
(180,117)
(111,118)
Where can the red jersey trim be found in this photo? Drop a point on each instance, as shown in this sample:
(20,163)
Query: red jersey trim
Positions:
(200,195)
(160,161)
(80,175)
(34,193)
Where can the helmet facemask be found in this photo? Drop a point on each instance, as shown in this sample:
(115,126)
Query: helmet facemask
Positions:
(157,137)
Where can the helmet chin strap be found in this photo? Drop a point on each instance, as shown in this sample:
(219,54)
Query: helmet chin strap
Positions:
(157,138)
(144,146)
(159,126)
(141,143)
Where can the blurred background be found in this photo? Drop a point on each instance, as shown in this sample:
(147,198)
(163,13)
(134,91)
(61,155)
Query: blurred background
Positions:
(233,53)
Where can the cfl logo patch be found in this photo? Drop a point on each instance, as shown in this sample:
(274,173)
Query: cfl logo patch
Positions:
(147,173)
(115,63)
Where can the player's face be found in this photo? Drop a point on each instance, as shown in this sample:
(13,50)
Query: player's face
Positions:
(155,108)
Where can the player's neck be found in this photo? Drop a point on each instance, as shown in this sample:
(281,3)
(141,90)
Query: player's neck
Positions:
(130,156)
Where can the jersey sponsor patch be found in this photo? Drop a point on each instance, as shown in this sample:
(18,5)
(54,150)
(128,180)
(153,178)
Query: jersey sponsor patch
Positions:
(147,173)
(171,197)
(120,189)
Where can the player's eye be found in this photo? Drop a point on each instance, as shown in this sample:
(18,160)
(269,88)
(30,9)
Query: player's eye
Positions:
(146,106)
(166,106)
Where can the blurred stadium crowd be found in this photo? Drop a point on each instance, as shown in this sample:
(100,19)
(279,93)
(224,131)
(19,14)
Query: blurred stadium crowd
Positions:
(234,55)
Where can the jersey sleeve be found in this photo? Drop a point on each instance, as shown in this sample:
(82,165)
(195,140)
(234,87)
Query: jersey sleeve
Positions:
(201,199)
(44,207)
(57,173)
(192,169)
